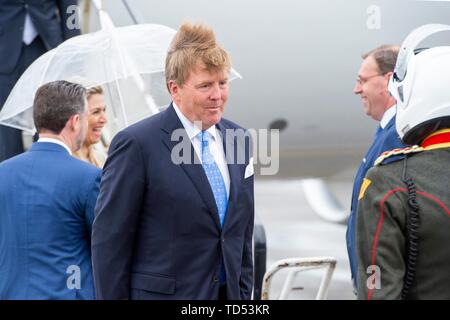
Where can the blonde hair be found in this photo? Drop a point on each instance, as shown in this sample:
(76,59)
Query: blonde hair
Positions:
(93,90)
(93,156)
(191,44)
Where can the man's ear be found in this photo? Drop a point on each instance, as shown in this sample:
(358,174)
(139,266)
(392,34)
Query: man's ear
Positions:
(74,122)
(173,88)
(388,75)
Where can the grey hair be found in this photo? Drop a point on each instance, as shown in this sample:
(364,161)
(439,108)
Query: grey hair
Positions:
(55,102)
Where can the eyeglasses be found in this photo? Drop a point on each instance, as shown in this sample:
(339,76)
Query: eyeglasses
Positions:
(360,81)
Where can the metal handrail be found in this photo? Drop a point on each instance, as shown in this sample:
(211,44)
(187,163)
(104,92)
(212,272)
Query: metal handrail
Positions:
(297,265)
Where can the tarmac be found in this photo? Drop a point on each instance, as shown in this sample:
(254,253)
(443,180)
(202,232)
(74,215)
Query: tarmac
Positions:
(294,230)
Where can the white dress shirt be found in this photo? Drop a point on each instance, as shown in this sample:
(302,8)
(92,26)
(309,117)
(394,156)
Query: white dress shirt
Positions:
(387,116)
(215,145)
(29,30)
(51,140)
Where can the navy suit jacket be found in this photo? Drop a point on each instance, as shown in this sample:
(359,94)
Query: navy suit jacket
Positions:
(47,200)
(387,139)
(156,233)
(49,18)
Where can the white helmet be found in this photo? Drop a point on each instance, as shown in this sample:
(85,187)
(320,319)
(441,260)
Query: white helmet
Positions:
(421,86)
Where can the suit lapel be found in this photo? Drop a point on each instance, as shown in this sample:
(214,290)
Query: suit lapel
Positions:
(193,169)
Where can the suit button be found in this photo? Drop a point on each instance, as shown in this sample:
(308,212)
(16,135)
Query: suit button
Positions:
(223,239)
(216,279)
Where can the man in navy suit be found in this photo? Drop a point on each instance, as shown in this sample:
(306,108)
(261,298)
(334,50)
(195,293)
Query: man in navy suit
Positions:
(28,28)
(174,218)
(47,200)
(372,85)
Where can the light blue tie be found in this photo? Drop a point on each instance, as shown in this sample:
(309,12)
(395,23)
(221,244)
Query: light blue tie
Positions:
(214,177)
(217,185)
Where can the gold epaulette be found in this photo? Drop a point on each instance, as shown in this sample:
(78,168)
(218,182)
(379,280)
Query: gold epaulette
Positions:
(396,152)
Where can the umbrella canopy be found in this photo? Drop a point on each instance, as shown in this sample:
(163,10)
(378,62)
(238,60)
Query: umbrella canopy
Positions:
(127,61)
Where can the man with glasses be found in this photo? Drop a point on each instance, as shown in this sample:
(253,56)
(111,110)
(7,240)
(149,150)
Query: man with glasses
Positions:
(372,84)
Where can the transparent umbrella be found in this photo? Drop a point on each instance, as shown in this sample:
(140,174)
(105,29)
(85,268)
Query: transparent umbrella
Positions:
(127,61)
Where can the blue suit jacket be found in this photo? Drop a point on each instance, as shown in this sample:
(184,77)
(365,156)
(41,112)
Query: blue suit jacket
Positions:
(387,139)
(49,18)
(47,201)
(157,233)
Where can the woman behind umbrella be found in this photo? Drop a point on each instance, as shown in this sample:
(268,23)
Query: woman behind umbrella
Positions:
(90,152)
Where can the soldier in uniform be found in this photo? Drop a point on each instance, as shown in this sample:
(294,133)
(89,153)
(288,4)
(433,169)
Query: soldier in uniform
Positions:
(403,224)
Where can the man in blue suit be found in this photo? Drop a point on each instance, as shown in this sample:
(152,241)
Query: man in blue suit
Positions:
(174,218)
(47,200)
(28,28)
(372,85)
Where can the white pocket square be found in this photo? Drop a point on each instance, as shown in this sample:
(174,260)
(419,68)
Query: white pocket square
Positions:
(249,169)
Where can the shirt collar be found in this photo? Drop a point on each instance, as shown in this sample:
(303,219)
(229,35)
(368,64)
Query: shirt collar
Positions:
(191,129)
(52,140)
(388,115)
